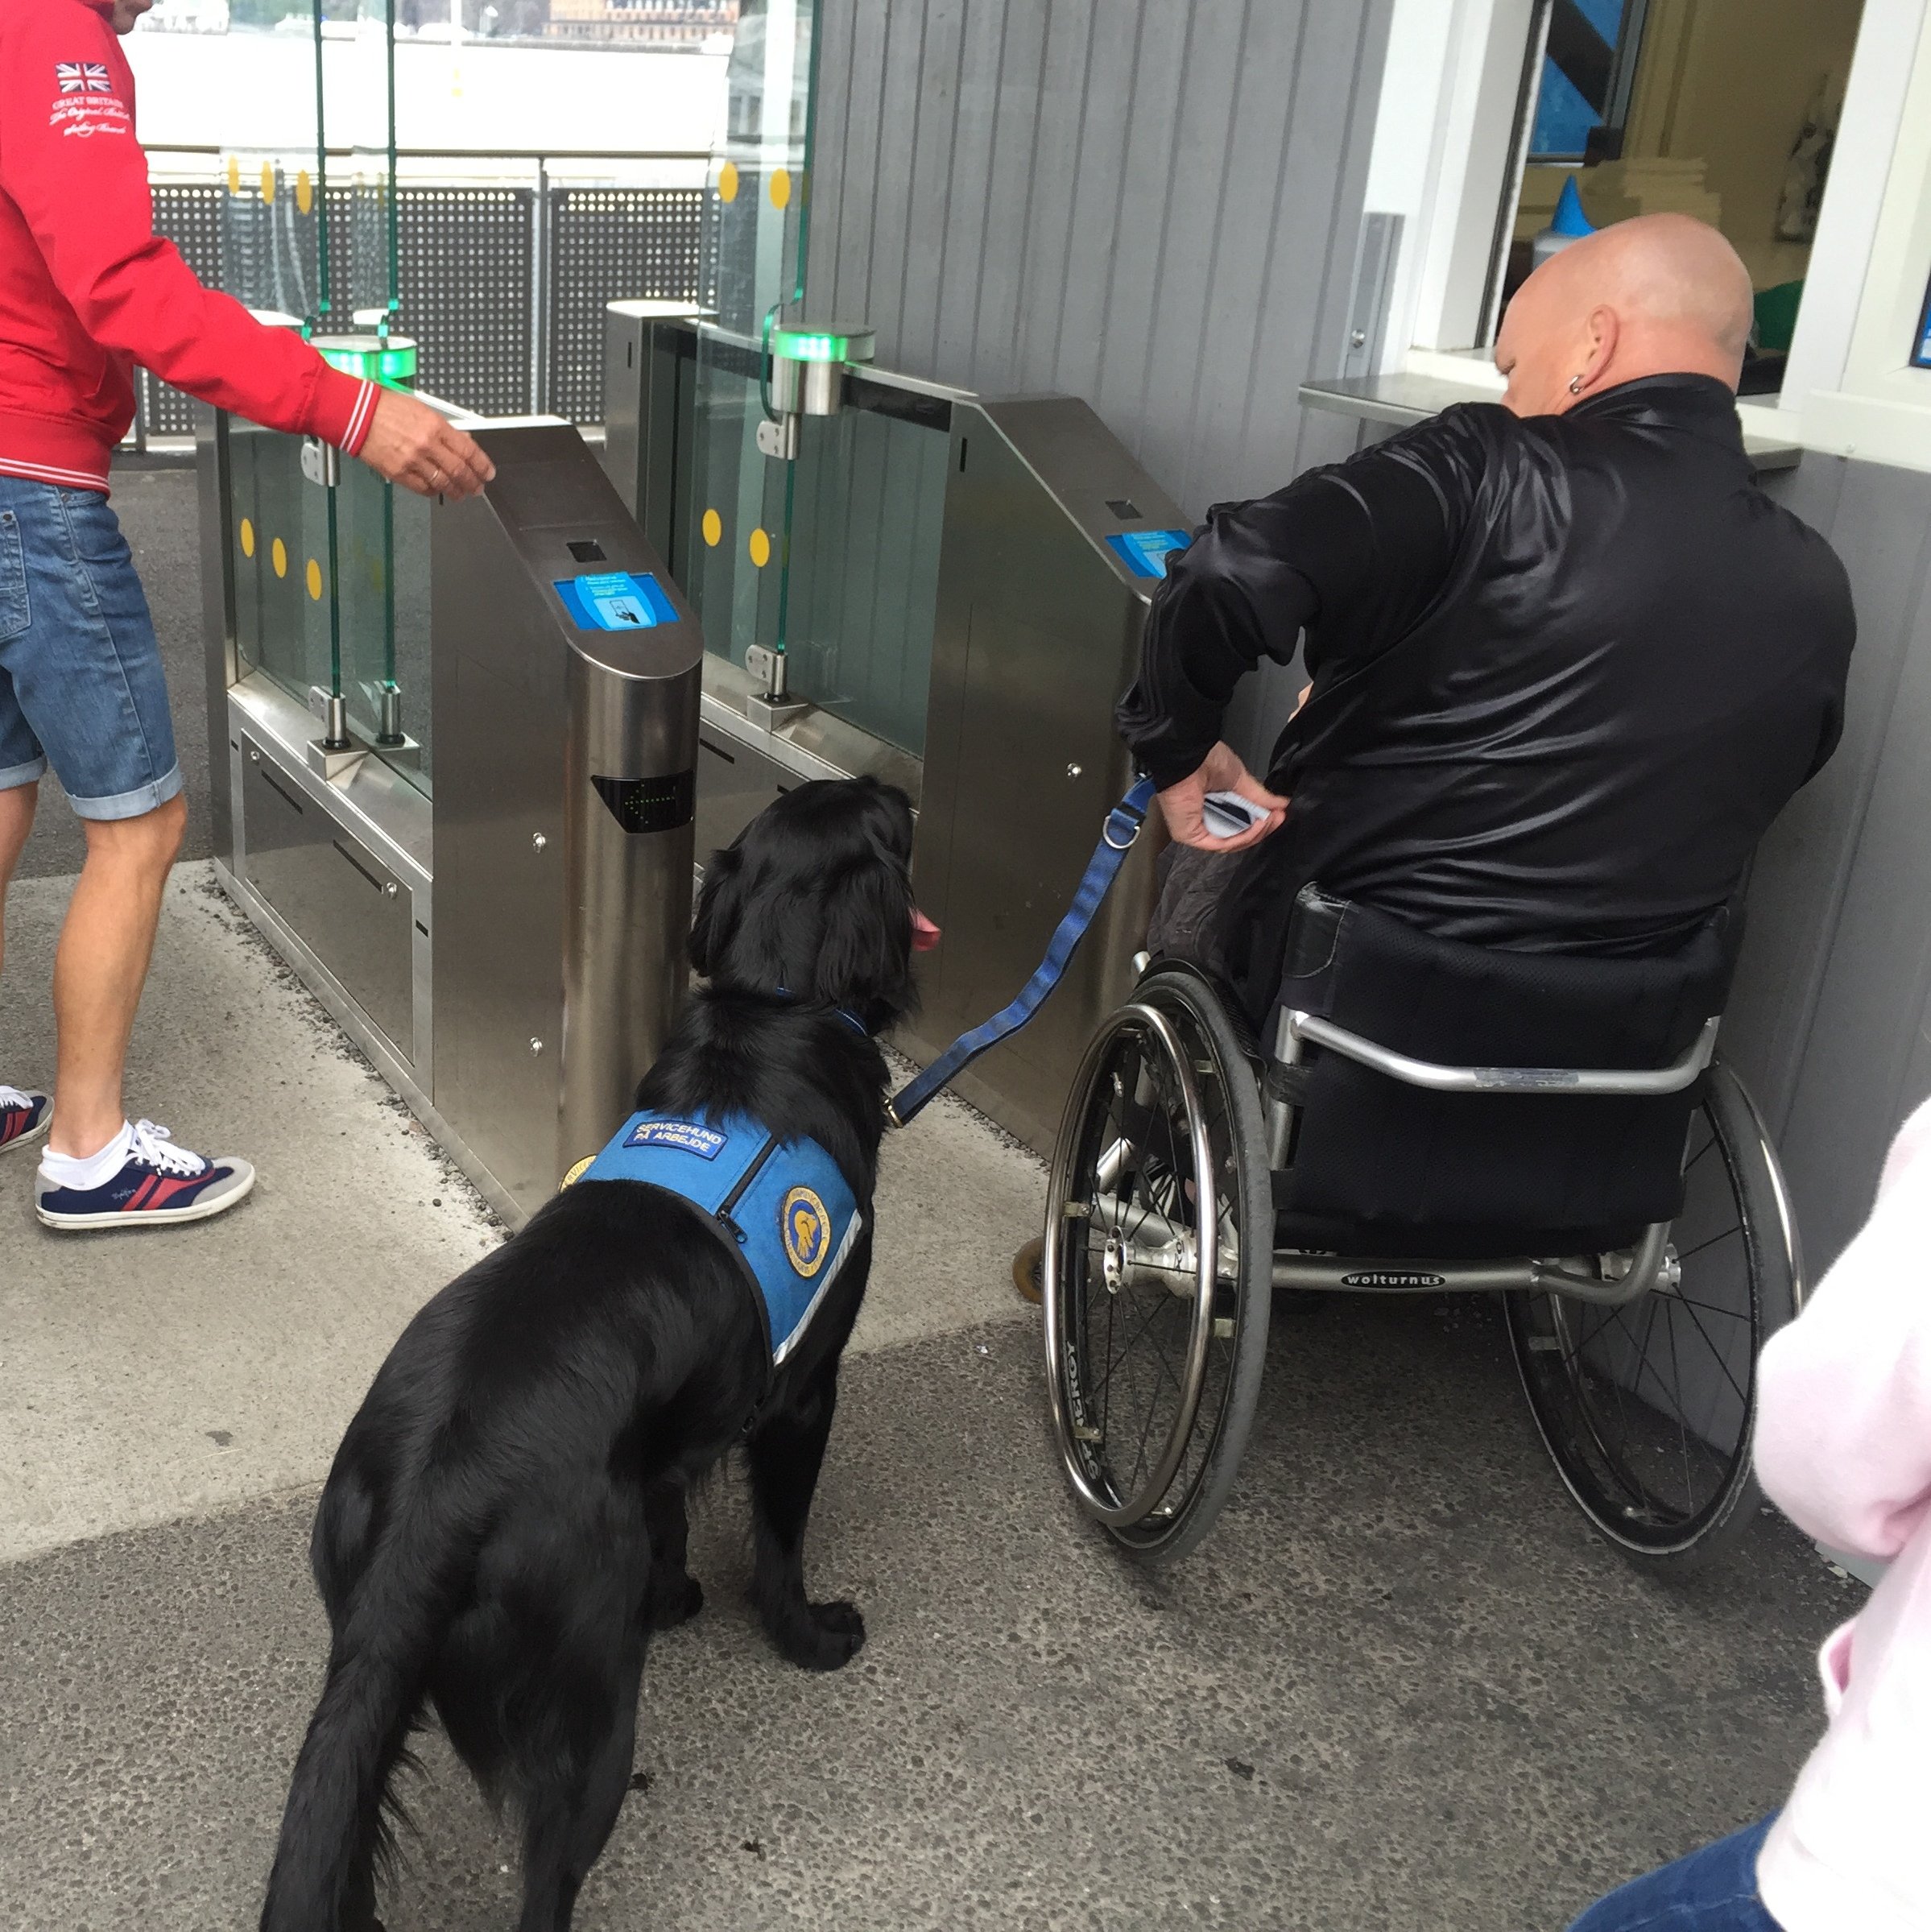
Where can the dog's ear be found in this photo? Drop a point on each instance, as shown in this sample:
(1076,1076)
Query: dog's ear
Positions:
(864,958)
(720,905)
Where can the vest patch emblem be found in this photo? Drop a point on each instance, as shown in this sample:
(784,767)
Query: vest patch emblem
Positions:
(807,1230)
(686,1136)
(577,1173)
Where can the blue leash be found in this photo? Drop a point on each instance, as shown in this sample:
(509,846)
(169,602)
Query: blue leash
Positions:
(1122,828)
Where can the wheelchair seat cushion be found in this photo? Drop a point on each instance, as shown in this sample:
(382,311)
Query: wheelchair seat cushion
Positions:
(1398,1165)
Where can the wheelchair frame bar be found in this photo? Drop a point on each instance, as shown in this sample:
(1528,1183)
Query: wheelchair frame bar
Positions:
(1296,1026)
(1650,1266)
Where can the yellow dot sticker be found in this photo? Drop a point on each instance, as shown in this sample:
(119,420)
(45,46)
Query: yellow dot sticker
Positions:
(268,182)
(727,182)
(235,174)
(278,555)
(305,191)
(713,528)
(760,548)
(247,538)
(781,188)
(315,579)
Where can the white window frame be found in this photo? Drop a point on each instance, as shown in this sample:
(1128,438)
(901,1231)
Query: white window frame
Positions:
(1445,144)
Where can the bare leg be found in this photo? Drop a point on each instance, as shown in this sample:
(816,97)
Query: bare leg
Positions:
(17,805)
(102,966)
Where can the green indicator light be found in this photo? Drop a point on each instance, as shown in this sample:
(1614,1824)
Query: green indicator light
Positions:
(370,358)
(809,346)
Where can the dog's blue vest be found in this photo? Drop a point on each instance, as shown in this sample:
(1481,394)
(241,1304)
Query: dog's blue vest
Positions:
(782,1206)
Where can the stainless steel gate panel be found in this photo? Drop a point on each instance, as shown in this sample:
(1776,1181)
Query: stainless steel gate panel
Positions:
(357,914)
(564,799)
(1039,631)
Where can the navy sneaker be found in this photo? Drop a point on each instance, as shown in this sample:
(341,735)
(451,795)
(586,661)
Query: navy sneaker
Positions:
(25,1116)
(158,1184)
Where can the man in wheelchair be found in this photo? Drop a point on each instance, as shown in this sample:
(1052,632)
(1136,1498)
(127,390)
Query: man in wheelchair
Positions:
(1567,660)
(1567,663)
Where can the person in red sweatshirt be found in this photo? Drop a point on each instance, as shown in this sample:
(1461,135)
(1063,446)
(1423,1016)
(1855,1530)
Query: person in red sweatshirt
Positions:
(87,290)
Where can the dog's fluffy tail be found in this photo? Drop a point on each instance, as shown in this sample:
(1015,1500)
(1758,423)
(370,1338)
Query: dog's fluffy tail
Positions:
(333,1825)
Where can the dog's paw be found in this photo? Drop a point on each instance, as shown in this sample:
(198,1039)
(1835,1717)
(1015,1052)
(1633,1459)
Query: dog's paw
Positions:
(676,1605)
(827,1637)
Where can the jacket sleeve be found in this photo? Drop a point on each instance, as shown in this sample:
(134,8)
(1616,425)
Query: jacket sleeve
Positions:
(1843,1441)
(1349,555)
(80,180)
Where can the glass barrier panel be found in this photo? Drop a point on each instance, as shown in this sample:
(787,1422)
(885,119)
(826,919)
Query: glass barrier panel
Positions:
(382,537)
(279,524)
(753,262)
(867,520)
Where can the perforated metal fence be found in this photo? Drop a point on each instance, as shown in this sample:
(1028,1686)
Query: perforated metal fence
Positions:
(503,283)
(643,240)
(189,214)
(466,293)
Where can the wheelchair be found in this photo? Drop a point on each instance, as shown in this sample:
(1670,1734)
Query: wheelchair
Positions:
(1428,1117)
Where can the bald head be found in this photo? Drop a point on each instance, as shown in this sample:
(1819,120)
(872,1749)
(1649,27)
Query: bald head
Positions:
(1659,295)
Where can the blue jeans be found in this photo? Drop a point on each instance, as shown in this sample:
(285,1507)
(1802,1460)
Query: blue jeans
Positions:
(1713,1890)
(81,684)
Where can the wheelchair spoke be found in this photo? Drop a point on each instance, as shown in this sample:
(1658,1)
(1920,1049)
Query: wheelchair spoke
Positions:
(1717,1354)
(1735,1228)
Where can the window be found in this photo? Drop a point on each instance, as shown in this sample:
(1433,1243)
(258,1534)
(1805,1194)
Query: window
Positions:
(1588,65)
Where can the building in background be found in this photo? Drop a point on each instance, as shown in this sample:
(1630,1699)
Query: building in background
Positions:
(660,22)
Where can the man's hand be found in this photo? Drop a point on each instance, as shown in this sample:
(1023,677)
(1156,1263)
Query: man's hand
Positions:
(410,444)
(1183,806)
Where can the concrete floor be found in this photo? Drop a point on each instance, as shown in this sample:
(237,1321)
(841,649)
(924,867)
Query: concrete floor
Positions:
(1400,1687)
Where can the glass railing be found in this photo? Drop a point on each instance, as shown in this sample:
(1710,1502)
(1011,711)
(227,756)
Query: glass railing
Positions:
(757,232)
(331,570)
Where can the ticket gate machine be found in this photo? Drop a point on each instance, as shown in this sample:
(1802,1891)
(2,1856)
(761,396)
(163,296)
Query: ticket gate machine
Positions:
(965,582)
(495,907)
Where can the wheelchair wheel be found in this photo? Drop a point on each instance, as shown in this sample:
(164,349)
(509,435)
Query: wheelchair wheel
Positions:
(1646,1409)
(1159,1263)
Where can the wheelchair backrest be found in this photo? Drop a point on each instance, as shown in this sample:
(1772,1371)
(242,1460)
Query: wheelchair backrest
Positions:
(1370,1149)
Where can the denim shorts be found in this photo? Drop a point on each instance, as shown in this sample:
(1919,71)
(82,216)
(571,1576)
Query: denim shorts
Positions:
(81,684)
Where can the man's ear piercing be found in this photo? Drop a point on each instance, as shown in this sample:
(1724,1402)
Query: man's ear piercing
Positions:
(1575,385)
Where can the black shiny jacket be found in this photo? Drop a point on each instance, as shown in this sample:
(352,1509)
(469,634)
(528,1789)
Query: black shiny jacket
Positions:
(1566,669)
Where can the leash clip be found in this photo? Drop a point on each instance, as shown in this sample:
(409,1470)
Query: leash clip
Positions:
(1136,819)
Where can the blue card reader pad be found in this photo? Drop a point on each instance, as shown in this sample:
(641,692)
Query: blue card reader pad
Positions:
(615,600)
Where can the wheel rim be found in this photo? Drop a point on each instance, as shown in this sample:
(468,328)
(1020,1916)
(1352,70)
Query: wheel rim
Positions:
(1141,1265)
(1646,1409)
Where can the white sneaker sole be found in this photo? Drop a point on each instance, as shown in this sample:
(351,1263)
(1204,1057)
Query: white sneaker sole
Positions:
(217,1201)
(31,1135)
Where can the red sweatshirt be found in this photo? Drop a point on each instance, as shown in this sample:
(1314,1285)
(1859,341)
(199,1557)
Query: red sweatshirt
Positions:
(88,289)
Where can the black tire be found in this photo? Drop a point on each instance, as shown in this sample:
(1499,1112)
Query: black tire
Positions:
(1646,1409)
(1165,1076)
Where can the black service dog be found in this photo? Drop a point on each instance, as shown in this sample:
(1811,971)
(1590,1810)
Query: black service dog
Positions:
(504,1524)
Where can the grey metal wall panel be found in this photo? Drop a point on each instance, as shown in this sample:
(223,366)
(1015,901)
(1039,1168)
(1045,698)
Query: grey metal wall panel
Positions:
(1151,204)
(1827,1024)
(928,199)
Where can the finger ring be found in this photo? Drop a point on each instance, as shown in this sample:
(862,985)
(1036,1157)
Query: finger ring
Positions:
(436,476)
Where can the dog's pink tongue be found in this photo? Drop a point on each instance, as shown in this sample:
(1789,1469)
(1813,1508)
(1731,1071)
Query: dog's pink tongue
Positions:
(925,934)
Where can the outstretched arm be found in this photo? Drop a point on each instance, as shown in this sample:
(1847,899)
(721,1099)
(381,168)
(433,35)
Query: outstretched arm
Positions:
(79,178)
(1347,555)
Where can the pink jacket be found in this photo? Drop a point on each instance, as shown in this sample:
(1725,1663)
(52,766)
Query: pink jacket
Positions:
(1843,1446)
